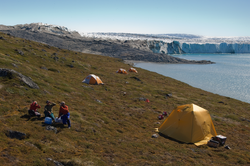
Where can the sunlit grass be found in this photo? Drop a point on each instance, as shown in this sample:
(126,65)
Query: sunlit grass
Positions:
(109,127)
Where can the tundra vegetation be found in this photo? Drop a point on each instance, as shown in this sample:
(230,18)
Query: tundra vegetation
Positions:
(109,126)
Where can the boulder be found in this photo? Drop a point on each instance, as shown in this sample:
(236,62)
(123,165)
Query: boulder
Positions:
(15,134)
(51,128)
(154,136)
(20,52)
(12,73)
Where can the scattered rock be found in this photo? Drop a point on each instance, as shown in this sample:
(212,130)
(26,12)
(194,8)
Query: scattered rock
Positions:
(51,128)
(154,136)
(168,95)
(142,99)
(88,87)
(158,122)
(136,78)
(14,65)
(15,134)
(44,50)
(57,163)
(71,66)
(44,68)
(19,52)
(93,130)
(2,38)
(97,124)
(12,73)
(46,92)
(98,101)
(244,119)
(56,58)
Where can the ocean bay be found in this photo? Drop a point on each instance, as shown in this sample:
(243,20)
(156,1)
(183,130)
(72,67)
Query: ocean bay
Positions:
(229,76)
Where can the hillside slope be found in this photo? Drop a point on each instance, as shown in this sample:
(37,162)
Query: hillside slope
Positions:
(109,127)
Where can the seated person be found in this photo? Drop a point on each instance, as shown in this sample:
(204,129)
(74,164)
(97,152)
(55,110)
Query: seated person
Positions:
(48,109)
(33,109)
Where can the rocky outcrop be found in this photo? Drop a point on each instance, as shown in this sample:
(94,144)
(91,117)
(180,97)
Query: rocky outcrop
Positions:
(12,73)
(15,134)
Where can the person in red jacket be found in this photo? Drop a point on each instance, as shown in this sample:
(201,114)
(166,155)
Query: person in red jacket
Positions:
(64,114)
(33,109)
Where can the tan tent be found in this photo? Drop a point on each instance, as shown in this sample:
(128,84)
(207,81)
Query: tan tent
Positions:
(190,124)
(122,71)
(133,70)
(92,79)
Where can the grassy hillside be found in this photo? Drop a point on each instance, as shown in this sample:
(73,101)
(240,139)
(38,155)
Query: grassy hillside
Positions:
(108,127)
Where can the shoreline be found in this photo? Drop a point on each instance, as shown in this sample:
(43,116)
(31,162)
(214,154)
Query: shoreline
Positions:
(133,62)
(208,81)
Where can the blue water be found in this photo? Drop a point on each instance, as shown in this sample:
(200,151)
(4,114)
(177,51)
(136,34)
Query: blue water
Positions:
(230,76)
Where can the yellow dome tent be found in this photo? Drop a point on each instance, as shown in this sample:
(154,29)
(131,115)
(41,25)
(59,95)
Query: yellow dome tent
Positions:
(93,79)
(190,124)
(122,71)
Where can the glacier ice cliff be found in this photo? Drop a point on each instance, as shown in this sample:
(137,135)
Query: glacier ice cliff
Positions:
(183,43)
(176,47)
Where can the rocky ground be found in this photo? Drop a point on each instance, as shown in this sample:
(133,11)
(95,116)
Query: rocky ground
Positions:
(126,50)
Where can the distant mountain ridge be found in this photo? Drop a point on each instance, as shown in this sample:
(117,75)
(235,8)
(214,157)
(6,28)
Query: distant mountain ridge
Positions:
(41,27)
(62,37)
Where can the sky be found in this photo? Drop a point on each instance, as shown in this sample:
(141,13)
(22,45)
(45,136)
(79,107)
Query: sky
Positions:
(198,17)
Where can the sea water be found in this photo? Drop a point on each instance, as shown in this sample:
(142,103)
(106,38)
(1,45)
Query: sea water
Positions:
(229,76)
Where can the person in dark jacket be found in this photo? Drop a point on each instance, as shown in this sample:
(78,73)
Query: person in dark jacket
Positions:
(48,109)
(33,109)
(64,114)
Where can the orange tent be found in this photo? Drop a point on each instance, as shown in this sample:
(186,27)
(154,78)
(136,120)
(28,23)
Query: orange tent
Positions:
(133,70)
(122,71)
(93,79)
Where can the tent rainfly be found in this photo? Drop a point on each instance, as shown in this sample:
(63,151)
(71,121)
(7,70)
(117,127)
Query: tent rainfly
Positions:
(190,124)
(92,79)
(133,70)
(122,71)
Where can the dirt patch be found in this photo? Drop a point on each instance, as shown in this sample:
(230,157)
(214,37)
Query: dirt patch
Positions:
(1,86)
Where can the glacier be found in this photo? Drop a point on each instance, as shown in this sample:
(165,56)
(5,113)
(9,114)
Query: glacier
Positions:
(179,48)
(182,43)
(156,43)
